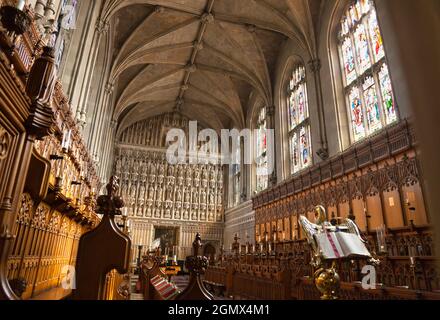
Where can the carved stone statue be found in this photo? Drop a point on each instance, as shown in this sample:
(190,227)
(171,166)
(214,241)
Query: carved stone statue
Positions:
(203,197)
(162,169)
(179,195)
(151,193)
(187,195)
(159,193)
(169,195)
(188,172)
(195,196)
(171,171)
(141,197)
(181,171)
(205,174)
(219,198)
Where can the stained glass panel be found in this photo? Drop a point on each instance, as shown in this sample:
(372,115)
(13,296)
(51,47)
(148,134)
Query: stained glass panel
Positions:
(365,5)
(294,153)
(305,147)
(302,108)
(345,27)
(262,178)
(376,37)
(357,116)
(362,51)
(372,105)
(387,95)
(349,66)
(292,111)
(353,13)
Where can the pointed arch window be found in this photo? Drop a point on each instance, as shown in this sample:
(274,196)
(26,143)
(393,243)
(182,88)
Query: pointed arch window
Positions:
(261,148)
(366,78)
(299,123)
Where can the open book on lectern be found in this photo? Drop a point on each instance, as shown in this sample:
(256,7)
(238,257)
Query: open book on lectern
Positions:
(337,245)
(335,242)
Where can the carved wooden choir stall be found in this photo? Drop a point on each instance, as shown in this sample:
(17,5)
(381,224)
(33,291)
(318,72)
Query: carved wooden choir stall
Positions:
(47,177)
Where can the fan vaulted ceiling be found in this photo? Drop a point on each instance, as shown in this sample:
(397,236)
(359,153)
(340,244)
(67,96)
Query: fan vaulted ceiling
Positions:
(208,59)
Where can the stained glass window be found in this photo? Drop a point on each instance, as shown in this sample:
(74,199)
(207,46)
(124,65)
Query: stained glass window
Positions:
(261,144)
(299,129)
(368,88)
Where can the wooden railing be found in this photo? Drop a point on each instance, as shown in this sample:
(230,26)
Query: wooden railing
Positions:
(217,274)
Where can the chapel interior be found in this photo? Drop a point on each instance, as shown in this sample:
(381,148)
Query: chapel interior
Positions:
(333,193)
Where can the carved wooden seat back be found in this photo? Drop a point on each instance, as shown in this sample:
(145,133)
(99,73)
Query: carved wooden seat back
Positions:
(197,266)
(103,249)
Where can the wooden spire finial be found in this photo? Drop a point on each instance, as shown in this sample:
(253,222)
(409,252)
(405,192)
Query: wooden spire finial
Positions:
(111,204)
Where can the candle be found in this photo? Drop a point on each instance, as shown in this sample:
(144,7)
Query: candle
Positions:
(66,140)
(270,248)
(284,235)
(20,4)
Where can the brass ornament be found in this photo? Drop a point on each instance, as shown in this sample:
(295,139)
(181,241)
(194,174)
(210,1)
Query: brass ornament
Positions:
(328,282)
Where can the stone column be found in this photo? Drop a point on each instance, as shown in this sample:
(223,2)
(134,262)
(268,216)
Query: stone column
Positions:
(39,9)
(101,30)
(270,113)
(315,66)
